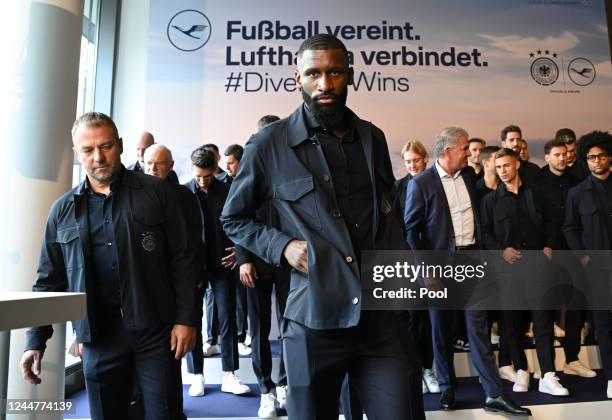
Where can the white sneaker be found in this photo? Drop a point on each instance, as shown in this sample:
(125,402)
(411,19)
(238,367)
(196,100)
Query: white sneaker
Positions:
(197,386)
(609,391)
(266,406)
(577,368)
(494,339)
(211,350)
(243,350)
(281,396)
(522,381)
(424,387)
(508,373)
(430,381)
(549,384)
(232,384)
(247,340)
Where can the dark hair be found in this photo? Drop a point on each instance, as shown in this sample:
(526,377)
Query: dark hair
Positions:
(323,42)
(552,144)
(266,120)
(235,150)
(211,146)
(504,151)
(204,158)
(487,151)
(477,140)
(566,134)
(510,129)
(600,139)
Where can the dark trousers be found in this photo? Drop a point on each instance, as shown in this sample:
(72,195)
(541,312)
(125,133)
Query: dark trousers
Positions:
(242,312)
(603,330)
(117,357)
(378,356)
(212,317)
(574,319)
(543,335)
(223,285)
(260,316)
(195,358)
(419,328)
(480,349)
(349,401)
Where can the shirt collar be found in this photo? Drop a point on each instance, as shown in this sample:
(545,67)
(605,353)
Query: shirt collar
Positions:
(442,173)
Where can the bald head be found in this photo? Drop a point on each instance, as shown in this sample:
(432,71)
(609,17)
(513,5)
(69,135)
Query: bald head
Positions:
(145,141)
(158,161)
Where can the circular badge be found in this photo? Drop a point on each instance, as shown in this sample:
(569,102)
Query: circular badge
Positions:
(581,71)
(544,71)
(189,30)
(149,243)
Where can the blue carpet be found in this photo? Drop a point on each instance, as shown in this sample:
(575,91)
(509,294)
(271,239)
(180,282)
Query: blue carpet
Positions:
(469,395)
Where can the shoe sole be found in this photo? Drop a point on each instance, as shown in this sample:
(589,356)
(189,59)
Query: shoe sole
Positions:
(553,394)
(235,393)
(573,372)
(520,390)
(493,410)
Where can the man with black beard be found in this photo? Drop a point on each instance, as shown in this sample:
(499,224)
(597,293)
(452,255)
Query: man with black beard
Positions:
(327,173)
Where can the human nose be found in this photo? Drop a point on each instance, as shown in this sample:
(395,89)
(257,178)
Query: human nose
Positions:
(325,83)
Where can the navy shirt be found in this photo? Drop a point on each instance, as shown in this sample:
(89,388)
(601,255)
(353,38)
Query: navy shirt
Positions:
(351,179)
(104,252)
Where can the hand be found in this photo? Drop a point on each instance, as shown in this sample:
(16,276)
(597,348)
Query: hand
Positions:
(229,261)
(296,254)
(248,274)
(511,255)
(30,366)
(548,252)
(433,284)
(585,260)
(182,340)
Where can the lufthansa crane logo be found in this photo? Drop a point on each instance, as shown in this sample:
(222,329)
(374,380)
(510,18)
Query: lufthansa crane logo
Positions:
(189,30)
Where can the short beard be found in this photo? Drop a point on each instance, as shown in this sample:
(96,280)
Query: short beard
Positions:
(332,116)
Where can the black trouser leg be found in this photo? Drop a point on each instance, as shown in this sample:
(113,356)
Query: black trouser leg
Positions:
(241,309)
(603,331)
(212,318)
(511,331)
(260,313)
(573,327)
(224,290)
(195,358)
(544,339)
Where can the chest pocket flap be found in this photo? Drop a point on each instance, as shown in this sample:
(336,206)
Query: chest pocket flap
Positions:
(67,235)
(294,189)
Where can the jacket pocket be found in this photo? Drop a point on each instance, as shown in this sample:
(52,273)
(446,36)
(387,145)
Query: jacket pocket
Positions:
(299,196)
(67,238)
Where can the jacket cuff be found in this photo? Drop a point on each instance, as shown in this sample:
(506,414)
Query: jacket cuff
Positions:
(36,338)
(276,247)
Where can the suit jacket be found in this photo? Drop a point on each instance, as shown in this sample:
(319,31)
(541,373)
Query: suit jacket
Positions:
(427,216)
(282,164)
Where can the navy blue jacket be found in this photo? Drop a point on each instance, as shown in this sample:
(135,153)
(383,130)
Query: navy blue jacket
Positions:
(429,225)
(281,164)
(157,265)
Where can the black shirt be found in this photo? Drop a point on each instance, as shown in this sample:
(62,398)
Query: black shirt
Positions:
(351,179)
(555,189)
(481,189)
(104,252)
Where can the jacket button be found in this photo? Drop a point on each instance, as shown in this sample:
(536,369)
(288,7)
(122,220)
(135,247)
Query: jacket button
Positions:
(337,214)
(326,178)
(355,300)
(109,244)
(349,259)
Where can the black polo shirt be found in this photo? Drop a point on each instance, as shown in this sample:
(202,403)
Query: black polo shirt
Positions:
(351,179)
(104,250)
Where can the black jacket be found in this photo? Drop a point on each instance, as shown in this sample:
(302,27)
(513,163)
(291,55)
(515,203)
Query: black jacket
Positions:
(500,222)
(157,266)
(555,189)
(217,194)
(585,225)
(282,165)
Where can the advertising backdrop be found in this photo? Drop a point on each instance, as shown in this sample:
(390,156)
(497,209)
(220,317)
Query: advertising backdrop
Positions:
(214,68)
